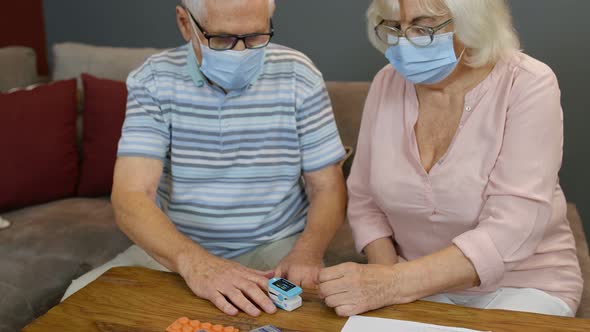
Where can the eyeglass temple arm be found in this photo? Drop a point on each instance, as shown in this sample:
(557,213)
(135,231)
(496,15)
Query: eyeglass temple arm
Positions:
(442,26)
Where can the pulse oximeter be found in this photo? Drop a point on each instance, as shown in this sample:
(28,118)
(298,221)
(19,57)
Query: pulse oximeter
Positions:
(284,294)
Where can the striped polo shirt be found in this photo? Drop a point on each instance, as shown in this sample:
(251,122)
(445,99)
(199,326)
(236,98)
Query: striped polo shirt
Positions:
(232,162)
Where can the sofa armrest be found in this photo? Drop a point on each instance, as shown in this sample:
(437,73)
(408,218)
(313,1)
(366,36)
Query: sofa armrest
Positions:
(583,257)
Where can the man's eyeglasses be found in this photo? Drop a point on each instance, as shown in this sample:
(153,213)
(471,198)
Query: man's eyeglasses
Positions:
(418,35)
(224,42)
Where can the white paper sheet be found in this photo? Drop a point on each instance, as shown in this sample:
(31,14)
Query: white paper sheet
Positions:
(364,324)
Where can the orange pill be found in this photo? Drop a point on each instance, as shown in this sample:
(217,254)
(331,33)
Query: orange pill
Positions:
(176,325)
(195,323)
(183,320)
(229,329)
(217,328)
(206,325)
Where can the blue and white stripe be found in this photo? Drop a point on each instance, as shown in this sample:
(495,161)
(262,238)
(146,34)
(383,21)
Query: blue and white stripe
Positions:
(232,163)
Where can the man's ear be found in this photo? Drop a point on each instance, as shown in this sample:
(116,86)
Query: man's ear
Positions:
(184,23)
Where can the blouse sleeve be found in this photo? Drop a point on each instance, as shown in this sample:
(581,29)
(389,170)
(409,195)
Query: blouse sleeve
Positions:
(520,190)
(367,220)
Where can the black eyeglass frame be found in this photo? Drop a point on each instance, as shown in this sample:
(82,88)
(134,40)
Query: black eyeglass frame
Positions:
(236,38)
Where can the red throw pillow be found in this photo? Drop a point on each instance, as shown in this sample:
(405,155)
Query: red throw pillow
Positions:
(38,143)
(105,102)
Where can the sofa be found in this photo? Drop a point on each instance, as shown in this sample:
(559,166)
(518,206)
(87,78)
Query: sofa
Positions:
(50,244)
(18,67)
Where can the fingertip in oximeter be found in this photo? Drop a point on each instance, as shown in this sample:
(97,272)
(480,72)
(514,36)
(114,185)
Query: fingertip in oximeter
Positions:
(284,294)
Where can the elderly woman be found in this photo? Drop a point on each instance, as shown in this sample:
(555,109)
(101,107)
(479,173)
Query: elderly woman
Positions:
(457,169)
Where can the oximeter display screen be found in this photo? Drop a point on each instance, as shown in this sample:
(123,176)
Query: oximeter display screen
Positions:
(284,285)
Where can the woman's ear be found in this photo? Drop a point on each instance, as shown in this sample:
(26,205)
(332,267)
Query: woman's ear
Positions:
(184,23)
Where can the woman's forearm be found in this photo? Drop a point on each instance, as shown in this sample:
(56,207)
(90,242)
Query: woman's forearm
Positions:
(381,251)
(442,271)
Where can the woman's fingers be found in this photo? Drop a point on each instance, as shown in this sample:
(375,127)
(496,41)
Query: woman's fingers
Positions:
(337,272)
(347,310)
(340,299)
(333,287)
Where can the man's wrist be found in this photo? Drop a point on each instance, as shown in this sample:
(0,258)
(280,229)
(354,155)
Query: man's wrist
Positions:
(310,247)
(186,258)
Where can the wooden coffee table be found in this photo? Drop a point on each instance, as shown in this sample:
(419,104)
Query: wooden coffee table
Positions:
(141,300)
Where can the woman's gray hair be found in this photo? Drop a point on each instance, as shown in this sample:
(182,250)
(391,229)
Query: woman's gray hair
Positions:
(198,8)
(484,26)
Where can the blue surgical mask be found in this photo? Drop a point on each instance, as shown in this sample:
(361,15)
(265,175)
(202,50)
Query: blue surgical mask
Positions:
(424,65)
(232,70)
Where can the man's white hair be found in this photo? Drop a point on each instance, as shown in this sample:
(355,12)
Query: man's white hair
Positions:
(199,8)
(484,26)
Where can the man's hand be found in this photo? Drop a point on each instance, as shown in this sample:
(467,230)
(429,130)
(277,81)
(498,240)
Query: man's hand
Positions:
(301,268)
(228,285)
(327,196)
(352,289)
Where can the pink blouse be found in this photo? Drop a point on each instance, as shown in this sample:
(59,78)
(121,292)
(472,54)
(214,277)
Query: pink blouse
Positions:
(495,194)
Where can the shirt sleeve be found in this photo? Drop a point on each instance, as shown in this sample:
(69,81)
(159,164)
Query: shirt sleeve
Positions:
(519,195)
(319,139)
(146,130)
(368,222)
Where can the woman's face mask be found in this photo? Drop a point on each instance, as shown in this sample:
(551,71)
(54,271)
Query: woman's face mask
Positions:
(424,65)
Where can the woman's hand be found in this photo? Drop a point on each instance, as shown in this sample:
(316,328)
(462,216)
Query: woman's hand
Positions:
(352,289)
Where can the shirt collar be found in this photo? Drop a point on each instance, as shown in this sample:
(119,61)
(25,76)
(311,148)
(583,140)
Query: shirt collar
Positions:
(193,68)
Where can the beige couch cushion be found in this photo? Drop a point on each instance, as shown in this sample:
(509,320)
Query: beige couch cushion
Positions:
(18,67)
(115,63)
(348,102)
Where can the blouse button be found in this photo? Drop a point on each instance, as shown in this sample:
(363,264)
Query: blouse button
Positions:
(467,108)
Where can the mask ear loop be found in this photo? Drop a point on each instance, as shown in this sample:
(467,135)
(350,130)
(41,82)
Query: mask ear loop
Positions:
(192,24)
(461,55)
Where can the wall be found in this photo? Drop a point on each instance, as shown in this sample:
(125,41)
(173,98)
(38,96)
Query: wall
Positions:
(332,33)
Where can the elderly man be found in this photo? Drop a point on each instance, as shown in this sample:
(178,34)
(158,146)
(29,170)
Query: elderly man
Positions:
(217,136)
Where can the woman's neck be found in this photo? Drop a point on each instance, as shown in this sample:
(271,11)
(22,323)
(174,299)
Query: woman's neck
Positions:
(461,81)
